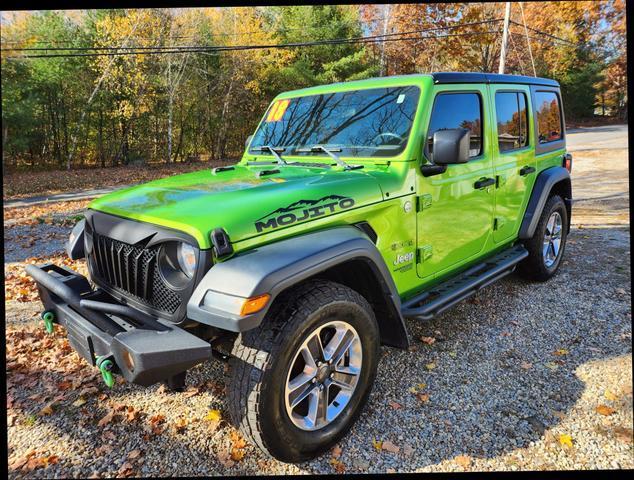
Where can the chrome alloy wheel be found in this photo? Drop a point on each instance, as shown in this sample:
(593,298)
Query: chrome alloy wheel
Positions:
(552,239)
(323,375)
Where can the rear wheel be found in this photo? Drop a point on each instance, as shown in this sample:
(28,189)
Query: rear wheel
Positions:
(546,247)
(299,381)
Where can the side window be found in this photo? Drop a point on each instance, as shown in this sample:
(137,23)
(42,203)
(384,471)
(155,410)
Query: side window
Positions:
(512,120)
(548,117)
(457,110)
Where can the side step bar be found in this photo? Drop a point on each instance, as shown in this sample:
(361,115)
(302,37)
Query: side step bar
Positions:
(437,299)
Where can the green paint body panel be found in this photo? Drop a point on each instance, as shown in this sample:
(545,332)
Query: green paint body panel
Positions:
(428,227)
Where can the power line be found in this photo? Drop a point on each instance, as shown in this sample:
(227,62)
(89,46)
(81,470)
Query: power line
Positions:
(212,49)
(219,47)
(546,34)
(227,34)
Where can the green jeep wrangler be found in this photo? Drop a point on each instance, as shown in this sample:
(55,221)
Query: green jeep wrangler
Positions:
(355,206)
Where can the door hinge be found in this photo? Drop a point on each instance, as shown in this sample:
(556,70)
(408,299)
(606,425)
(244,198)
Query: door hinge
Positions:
(498,223)
(500,180)
(423,202)
(423,253)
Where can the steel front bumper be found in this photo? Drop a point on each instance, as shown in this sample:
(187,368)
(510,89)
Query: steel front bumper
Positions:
(144,349)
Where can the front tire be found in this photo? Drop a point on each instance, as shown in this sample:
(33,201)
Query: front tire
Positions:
(546,246)
(284,395)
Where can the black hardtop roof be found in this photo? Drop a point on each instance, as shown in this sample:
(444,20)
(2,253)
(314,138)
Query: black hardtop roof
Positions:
(475,77)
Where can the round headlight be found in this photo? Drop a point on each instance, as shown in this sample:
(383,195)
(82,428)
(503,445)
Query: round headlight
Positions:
(186,255)
(177,264)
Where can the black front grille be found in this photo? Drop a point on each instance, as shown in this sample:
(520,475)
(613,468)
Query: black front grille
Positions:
(133,270)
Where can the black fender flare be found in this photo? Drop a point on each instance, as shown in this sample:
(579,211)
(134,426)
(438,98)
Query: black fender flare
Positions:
(546,180)
(272,268)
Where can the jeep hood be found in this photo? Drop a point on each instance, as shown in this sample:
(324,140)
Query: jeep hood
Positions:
(245,201)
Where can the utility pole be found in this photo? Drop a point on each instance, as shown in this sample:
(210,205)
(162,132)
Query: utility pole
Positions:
(505,34)
(386,19)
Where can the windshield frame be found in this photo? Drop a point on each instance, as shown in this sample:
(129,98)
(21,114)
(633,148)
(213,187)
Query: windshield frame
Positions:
(419,81)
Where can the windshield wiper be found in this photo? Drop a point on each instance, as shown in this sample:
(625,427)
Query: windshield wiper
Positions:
(274,151)
(331,154)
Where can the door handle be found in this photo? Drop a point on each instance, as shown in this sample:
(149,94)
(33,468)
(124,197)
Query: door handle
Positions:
(483,182)
(526,171)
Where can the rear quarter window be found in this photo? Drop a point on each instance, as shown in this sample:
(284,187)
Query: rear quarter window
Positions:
(548,109)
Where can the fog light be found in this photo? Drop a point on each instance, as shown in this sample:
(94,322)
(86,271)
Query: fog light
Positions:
(128,359)
(255,304)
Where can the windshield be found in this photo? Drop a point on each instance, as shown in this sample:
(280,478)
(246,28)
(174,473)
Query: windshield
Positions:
(361,123)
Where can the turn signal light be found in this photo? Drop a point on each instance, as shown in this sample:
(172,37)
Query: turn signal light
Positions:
(568,162)
(255,304)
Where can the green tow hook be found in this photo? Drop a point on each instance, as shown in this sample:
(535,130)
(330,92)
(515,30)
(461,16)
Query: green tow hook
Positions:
(105,365)
(48,316)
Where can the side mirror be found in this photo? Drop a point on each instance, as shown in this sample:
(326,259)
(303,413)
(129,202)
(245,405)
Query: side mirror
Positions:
(247,141)
(451,146)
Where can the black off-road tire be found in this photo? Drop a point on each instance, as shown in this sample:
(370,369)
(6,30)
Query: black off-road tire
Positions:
(261,358)
(534,267)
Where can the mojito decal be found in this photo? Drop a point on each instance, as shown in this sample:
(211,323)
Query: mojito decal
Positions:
(303,210)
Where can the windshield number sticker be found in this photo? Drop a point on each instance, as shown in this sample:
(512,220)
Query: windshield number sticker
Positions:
(400,98)
(277,111)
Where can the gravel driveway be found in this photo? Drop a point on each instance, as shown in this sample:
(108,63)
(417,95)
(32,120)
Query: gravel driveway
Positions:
(522,376)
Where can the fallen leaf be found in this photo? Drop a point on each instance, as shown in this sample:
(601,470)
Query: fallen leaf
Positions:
(623,434)
(18,463)
(213,416)
(103,449)
(390,447)
(134,454)
(526,365)
(453,354)
(47,410)
(605,410)
(338,465)
(79,402)
(237,454)
(131,414)
(417,388)
(395,405)
(423,397)
(106,419)
(126,470)
(88,391)
(551,365)
(430,366)
(428,340)
(224,457)
(560,352)
(180,424)
(190,392)
(155,419)
(336,451)
(377,444)
(237,440)
(463,460)
(610,396)
(565,440)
